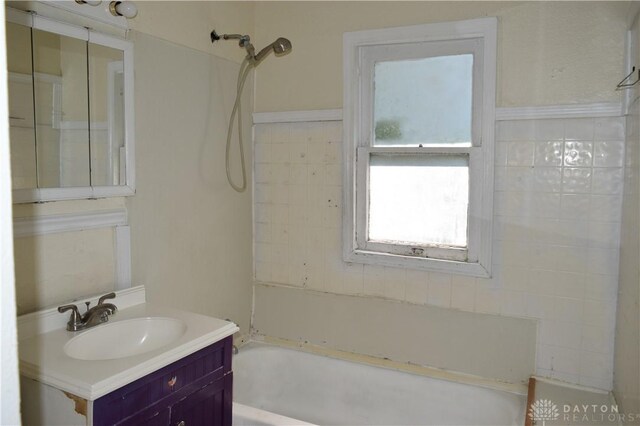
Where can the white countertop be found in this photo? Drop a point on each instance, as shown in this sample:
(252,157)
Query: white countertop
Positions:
(42,356)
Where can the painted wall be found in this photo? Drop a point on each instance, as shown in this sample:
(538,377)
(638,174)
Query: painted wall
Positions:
(191,233)
(626,373)
(411,333)
(54,268)
(556,234)
(548,52)
(183,22)
(189,23)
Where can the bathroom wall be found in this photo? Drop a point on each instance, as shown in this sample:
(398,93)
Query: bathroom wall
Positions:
(558,183)
(626,373)
(556,234)
(403,332)
(184,22)
(189,23)
(548,52)
(191,233)
(58,267)
(45,275)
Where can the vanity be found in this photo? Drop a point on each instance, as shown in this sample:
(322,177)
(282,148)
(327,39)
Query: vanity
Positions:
(147,365)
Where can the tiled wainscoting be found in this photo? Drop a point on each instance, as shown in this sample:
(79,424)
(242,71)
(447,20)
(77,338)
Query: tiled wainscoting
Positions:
(558,189)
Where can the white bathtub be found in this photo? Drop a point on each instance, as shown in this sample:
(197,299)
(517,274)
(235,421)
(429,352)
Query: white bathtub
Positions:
(276,386)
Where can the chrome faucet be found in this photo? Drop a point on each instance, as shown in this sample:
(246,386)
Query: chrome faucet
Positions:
(92,317)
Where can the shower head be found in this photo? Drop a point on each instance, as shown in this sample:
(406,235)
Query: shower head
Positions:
(280,47)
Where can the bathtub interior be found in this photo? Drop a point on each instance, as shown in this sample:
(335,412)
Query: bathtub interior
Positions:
(244,415)
(329,391)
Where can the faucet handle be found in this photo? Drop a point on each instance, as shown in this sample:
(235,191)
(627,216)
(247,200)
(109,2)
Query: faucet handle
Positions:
(65,308)
(111,295)
(75,314)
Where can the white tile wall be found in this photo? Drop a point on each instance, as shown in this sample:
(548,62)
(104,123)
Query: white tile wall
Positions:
(557,227)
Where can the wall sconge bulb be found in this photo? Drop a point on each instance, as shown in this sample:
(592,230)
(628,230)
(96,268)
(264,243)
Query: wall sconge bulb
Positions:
(128,9)
(89,2)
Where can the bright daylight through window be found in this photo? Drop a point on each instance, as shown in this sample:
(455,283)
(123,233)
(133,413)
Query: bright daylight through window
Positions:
(419,111)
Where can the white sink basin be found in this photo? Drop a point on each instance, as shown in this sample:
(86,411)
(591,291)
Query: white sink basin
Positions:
(125,338)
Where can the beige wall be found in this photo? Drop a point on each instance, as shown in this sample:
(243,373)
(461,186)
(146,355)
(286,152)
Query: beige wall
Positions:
(54,268)
(421,335)
(189,23)
(191,233)
(626,374)
(548,52)
(64,266)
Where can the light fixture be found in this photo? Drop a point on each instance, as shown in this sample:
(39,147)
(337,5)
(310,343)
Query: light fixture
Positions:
(128,9)
(89,2)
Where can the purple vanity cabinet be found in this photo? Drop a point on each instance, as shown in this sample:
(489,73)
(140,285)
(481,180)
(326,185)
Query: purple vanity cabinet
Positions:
(196,390)
(211,405)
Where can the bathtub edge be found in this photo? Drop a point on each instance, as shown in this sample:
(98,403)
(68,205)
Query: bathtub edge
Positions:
(425,371)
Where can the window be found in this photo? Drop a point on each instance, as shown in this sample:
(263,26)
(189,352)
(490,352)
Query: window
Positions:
(419,110)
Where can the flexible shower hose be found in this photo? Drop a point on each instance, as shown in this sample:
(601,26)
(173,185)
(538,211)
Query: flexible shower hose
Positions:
(245,67)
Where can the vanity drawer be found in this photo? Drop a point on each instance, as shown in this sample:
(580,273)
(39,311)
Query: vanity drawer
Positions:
(165,386)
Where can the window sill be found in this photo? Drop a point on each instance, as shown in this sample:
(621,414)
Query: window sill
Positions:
(409,262)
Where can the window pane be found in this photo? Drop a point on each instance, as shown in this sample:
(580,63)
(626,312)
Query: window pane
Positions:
(425,101)
(419,200)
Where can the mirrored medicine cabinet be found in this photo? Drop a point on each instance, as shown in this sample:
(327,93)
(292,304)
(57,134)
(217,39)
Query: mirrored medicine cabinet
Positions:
(70,110)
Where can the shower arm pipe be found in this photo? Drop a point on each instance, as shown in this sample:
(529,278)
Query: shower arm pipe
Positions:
(245,41)
(235,37)
(244,38)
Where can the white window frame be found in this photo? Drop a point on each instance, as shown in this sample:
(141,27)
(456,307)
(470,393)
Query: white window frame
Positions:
(362,50)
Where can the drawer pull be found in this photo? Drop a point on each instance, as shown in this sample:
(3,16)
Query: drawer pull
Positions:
(182,423)
(173,381)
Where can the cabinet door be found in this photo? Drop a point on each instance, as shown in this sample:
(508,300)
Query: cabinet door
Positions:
(160,418)
(166,386)
(211,405)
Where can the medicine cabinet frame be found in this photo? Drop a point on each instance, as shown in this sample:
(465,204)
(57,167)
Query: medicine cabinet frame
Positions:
(38,22)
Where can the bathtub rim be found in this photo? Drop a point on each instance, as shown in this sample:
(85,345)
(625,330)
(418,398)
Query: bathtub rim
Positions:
(404,367)
(257,415)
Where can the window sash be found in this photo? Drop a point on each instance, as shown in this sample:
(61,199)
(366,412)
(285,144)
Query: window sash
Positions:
(468,254)
(370,55)
(357,104)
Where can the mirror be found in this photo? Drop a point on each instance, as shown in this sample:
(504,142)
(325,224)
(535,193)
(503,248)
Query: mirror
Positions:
(70,103)
(106,96)
(21,112)
(61,110)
